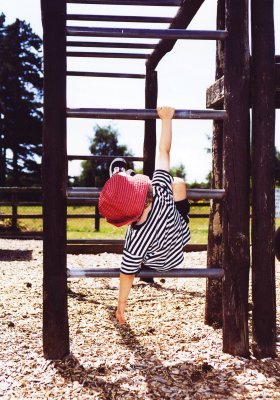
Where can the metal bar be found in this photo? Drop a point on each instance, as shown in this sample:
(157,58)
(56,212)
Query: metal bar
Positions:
(147,273)
(118,18)
(105,55)
(117,45)
(169,3)
(21,216)
(136,114)
(193,194)
(102,158)
(13,189)
(146,33)
(104,75)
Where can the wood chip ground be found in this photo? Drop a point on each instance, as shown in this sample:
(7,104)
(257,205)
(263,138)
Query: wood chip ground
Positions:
(164,352)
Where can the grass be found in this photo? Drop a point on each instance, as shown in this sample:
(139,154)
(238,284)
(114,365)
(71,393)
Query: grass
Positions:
(84,228)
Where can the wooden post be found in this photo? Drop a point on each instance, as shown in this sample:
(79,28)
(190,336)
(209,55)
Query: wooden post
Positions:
(213,304)
(263,159)
(54,179)
(150,138)
(236,181)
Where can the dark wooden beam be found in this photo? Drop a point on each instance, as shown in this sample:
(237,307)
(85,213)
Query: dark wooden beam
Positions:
(183,18)
(263,193)
(236,181)
(150,137)
(215,92)
(215,251)
(105,75)
(54,178)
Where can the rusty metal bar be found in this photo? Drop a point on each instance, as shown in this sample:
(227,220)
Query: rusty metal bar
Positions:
(104,75)
(146,33)
(193,194)
(169,3)
(105,55)
(118,18)
(147,273)
(72,43)
(137,114)
(103,158)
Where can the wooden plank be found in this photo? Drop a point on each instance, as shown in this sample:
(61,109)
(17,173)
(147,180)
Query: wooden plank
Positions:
(102,158)
(54,178)
(182,19)
(215,251)
(150,136)
(215,92)
(236,180)
(147,273)
(263,164)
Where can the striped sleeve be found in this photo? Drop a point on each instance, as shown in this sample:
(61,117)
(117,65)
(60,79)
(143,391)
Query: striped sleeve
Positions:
(163,179)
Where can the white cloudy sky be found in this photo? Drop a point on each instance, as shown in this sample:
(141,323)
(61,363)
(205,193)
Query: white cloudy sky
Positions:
(183,75)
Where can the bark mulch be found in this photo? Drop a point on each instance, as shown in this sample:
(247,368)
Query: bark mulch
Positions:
(164,352)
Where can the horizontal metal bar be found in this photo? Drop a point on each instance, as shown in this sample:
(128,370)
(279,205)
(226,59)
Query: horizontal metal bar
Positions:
(118,18)
(118,248)
(193,194)
(146,33)
(147,273)
(115,45)
(103,158)
(136,114)
(20,203)
(96,241)
(16,189)
(168,3)
(105,55)
(105,75)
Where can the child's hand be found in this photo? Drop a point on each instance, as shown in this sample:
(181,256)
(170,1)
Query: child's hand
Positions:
(166,112)
(120,313)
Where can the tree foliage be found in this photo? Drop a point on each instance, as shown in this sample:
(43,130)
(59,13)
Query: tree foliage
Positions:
(21,85)
(105,143)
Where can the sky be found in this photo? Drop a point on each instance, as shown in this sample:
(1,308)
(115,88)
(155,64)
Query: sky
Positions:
(183,76)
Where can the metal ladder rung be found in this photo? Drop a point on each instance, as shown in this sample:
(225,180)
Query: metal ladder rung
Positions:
(138,114)
(95,54)
(147,273)
(146,33)
(193,194)
(105,75)
(169,3)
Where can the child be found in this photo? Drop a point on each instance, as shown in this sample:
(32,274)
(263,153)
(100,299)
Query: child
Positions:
(156,212)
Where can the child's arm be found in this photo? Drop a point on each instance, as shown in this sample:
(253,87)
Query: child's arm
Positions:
(166,115)
(126,282)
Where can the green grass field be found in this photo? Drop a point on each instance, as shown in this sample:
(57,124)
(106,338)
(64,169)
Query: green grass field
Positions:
(84,228)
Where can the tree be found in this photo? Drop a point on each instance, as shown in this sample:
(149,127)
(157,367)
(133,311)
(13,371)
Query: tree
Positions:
(105,143)
(21,86)
(179,171)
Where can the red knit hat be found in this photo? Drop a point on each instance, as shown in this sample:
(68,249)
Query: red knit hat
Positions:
(123,197)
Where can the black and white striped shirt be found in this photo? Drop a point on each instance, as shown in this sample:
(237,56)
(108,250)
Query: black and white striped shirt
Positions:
(158,242)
